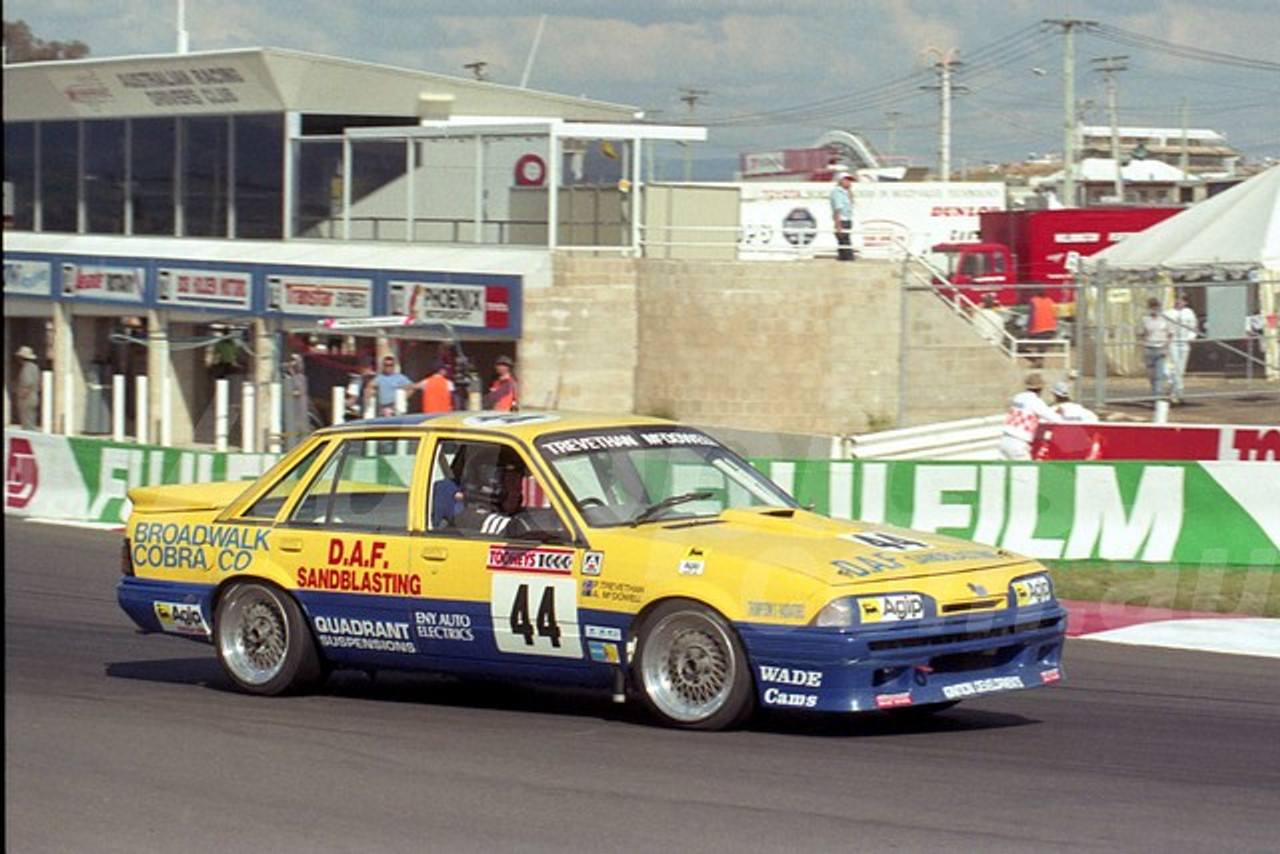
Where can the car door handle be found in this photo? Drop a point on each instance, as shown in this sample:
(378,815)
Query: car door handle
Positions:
(291,544)
(434,553)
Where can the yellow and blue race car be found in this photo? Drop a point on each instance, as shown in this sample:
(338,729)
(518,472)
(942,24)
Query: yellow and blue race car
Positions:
(630,554)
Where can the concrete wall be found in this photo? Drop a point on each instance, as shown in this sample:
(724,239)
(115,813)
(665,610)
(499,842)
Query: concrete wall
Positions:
(581,336)
(797,347)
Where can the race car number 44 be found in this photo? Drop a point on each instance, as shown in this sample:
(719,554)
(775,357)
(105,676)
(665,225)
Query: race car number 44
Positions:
(535,614)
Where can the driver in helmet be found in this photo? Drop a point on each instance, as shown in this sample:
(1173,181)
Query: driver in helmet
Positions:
(492,492)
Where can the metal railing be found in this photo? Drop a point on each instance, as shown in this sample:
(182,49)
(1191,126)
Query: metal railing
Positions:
(920,275)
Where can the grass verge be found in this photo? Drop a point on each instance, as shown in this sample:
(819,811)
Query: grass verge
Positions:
(1226,590)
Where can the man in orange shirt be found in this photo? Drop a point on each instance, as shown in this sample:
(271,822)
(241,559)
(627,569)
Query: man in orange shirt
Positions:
(437,390)
(502,395)
(1042,323)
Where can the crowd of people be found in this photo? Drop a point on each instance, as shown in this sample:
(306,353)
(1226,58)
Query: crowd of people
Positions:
(443,389)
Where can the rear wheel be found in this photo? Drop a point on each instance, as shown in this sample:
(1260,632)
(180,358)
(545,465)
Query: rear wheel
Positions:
(263,641)
(691,669)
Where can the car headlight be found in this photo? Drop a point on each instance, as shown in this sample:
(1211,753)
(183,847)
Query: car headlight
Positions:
(1031,590)
(877,609)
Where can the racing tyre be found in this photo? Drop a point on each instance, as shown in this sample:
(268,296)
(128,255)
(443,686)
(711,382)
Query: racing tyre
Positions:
(264,643)
(690,668)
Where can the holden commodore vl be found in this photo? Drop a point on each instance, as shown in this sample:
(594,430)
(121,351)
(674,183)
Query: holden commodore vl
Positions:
(634,555)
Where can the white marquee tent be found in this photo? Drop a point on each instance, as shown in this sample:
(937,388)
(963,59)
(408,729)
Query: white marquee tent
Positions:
(1234,233)
(1238,226)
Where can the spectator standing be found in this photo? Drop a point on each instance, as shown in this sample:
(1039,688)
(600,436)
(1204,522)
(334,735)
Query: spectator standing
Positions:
(1027,410)
(1155,331)
(28,389)
(842,215)
(297,403)
(1042,322)
(503,394)
(1068,410)
(1182,331)
(437,390)
(387,383)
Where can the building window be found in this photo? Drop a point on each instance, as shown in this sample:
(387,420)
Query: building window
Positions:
(59,166)
(20,174)
(104,177)
(376,167)
(259,182)
(316,212)
(153,153)
(205,176)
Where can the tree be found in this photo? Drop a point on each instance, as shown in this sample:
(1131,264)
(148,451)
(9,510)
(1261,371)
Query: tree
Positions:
(21,46)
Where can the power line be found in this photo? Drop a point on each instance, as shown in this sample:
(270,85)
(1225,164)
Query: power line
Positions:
(1124,37)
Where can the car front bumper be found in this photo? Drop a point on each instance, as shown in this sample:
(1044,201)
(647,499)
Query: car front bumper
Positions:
(909,664)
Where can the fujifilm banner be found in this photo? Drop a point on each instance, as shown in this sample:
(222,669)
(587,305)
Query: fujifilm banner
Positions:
(1202,513)
(1191,513)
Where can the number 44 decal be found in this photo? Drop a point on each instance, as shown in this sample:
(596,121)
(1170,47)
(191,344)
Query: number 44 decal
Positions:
(547,627)
(535,615)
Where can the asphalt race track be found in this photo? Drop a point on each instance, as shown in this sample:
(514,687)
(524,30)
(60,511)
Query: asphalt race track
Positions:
(120,742)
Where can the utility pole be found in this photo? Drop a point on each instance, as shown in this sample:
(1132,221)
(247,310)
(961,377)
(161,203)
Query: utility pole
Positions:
(946,65)
(893,116)
(1068,27)
(1184,158)
(691,97)
(477,69)
(1109,65)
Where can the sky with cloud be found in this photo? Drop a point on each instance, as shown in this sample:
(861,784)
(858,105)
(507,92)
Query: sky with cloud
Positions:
(763,75)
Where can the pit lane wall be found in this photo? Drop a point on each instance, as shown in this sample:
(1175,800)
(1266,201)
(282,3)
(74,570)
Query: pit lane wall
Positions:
(1208,513)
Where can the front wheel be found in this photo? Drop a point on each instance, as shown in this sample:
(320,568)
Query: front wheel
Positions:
(264,644)
(691,669)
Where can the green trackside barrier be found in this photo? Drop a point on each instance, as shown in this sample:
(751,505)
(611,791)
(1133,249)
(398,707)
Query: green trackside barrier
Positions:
(86,480)
(1190,513)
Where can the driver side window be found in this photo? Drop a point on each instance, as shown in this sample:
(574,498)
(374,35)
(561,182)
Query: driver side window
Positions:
(478,489)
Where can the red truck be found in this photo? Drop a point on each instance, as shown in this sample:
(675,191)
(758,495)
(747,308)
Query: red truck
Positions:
(1019,251)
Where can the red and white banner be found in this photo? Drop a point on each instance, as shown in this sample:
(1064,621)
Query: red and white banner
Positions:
(1157,442)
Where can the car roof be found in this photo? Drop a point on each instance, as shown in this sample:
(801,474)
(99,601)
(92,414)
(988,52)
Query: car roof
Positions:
(525,424)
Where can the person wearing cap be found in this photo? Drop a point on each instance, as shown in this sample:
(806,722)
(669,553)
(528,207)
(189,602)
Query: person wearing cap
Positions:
(437,389)
(503,393)
(28,388)
(1156,332)
(387,383)
(842,215)
(1068,410)
(1182,331)
(1027,410)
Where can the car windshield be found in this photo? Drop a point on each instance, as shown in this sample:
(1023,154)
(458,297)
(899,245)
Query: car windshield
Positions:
(635,475)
